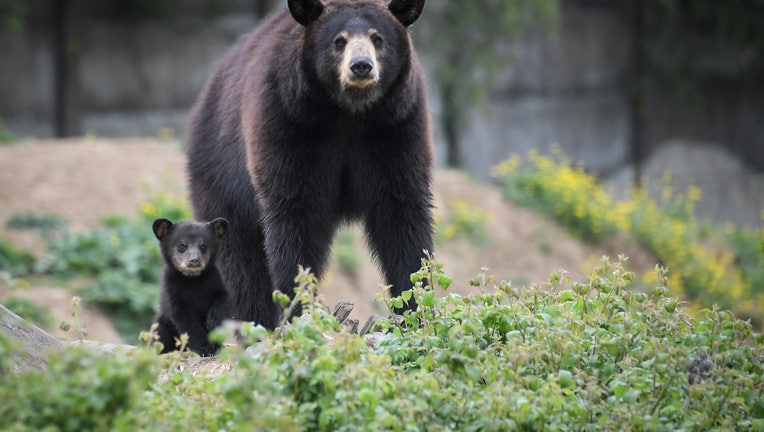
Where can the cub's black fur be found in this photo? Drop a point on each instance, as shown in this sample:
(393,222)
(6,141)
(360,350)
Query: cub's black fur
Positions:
(193,298)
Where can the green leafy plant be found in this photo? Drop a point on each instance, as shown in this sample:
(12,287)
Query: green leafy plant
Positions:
(13,261)
(560,355)
(80,391)
(43,223)
(575,356)
(748,245)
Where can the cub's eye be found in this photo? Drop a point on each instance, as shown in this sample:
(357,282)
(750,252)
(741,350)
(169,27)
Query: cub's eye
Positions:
(340,42)
(182,247)
(377,40)
(203,247)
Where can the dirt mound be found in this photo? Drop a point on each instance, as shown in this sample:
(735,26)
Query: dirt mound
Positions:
(85,180)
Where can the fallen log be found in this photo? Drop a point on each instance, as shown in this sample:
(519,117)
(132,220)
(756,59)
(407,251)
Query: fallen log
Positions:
(34,344)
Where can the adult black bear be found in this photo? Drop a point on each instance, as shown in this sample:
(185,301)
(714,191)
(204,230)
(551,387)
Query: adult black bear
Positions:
(317,117)
(193,298)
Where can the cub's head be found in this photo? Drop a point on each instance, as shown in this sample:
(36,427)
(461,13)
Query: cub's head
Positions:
(189,247)
(356,49)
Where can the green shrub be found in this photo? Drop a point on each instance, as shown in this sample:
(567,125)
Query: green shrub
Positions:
(551,185)
(563,355)
(700,271)
(80,391)
(748,245)
(579,356)
(13,261)
(43,223)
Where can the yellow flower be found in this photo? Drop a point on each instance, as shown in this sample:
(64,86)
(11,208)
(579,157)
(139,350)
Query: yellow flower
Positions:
(149,209)
(506,167)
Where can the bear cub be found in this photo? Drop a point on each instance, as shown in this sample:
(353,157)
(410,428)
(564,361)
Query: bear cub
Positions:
(193,299)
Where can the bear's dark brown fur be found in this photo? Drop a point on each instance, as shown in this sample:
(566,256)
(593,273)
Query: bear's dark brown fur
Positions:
(317,117)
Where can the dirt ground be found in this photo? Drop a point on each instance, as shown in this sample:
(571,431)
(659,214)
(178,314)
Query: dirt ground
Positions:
(84,180)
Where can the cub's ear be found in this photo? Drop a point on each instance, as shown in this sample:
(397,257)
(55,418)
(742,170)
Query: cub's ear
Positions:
(406,11)
(219,226)
(161,227)
(305,12)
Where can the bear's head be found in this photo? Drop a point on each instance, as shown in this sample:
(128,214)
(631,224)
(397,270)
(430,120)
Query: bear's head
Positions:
(356,49)
(189,247)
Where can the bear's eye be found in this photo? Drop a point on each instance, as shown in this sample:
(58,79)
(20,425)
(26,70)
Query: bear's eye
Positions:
(340,42)
(203,247)
(181,247)
(377,40)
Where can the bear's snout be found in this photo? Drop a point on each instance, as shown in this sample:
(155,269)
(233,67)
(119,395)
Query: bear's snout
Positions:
(361,66)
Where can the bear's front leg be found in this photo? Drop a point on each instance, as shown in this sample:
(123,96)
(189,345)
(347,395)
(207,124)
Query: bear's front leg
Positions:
(221,310)
(293,238)
(399,231)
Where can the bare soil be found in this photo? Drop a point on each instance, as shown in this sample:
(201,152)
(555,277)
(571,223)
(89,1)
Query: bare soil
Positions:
(84,180)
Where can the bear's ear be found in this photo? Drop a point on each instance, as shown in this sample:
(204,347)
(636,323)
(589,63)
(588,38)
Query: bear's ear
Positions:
(305,11)
(406,11)
(161,227)
(219,226)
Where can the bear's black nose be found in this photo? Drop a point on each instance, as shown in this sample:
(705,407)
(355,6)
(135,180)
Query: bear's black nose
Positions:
(194,262)
(361,66)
